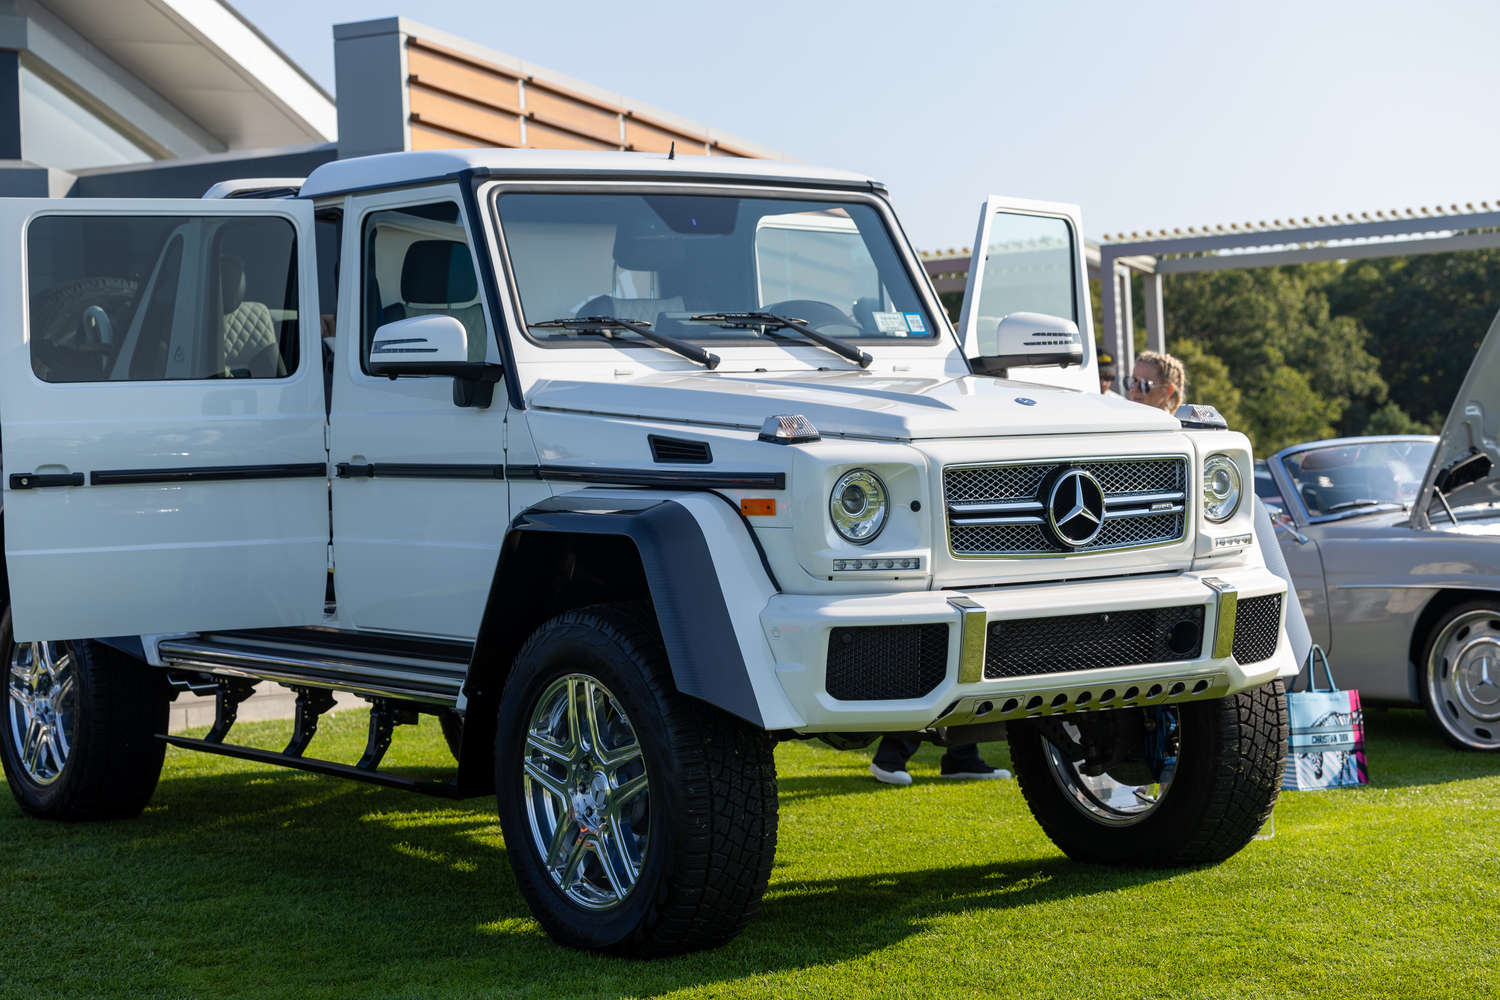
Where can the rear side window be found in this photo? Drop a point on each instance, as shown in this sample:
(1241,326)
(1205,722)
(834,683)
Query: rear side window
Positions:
(153,298)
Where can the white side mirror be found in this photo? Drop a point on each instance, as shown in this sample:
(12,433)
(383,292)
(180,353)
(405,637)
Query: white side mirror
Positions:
(1032,340)
(434,346)
(432,339)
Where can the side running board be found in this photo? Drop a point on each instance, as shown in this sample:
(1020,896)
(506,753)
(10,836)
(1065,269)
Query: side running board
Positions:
(385,715)
(399,677)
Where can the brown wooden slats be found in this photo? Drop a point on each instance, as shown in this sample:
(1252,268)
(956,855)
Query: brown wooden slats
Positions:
(460,101)
(541,135)
(561,109)
(453,74)
(468,118)
(647,135)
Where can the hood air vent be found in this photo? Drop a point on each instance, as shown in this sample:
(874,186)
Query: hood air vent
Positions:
(676,451)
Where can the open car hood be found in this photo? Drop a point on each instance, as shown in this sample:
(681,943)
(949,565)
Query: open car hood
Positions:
(860,404)
(1465,467)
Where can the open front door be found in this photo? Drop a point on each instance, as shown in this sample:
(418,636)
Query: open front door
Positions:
(1028,257)
(161,405)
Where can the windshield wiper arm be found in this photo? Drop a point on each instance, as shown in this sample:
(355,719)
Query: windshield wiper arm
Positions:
(1363,503)
(746,319)
(642,329)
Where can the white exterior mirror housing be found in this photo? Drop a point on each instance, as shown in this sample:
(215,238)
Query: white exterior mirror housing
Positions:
(434,346)
(1032,340)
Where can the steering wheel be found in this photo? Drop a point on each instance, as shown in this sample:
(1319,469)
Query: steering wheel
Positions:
(816,314)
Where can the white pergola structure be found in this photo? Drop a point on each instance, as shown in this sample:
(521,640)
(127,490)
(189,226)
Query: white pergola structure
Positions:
(1347,237)
(1152,255)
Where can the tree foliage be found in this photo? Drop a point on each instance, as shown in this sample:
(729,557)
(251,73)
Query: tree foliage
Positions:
(1426,316)
(1303,372)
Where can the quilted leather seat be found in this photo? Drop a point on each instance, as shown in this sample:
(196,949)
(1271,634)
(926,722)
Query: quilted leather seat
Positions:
(249,347)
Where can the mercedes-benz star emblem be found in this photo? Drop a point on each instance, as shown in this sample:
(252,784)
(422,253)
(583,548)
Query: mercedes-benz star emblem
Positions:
(1075,508)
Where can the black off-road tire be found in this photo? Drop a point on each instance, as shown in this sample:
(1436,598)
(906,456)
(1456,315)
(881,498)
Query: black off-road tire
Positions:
(1231,756)
(712,792)
(115,759)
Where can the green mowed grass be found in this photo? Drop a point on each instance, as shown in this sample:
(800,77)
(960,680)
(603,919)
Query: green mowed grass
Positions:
(247,880)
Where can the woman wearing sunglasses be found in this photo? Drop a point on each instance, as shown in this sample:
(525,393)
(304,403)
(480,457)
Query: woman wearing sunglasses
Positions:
(1158,380)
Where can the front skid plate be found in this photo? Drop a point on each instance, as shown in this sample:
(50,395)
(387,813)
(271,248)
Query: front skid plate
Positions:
(1059,699)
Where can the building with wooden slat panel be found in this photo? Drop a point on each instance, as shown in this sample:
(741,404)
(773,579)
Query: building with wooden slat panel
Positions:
(450,93)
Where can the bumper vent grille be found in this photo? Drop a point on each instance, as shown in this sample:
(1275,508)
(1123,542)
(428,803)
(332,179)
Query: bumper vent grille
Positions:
(886,662)
(1257,628)
(998,510)
(1065,643)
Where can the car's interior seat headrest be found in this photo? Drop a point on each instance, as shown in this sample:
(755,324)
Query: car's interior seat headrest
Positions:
(438,271)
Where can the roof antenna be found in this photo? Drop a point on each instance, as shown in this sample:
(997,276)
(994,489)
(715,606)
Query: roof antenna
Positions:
(672,153)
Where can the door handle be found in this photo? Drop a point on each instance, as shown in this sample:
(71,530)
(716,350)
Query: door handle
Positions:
(36,481)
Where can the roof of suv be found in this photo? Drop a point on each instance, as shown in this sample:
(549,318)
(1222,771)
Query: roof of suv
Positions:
(385,170)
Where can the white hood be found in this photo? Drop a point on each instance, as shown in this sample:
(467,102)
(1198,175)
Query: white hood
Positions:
(859,404)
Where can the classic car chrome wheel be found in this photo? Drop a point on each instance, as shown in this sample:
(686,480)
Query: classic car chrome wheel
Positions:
(1118,801)
(1463,677)
(43,703)
(587,793)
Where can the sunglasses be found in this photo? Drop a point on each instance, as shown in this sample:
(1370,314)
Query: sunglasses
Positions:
(1144,384)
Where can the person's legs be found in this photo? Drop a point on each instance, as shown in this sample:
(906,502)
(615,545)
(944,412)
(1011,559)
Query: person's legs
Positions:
(964,762)
(891,756)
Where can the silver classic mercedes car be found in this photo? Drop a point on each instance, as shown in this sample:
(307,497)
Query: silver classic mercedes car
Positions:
(1394,545)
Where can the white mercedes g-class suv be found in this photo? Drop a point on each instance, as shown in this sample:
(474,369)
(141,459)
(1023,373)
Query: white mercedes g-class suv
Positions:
(626,467)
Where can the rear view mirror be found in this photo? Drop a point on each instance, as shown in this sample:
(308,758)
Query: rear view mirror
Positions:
(434,346)
(1032,340)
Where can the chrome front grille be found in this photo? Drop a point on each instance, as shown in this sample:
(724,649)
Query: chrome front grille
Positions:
(999,510)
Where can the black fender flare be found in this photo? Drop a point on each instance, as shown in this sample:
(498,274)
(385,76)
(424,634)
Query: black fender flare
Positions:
(534,579)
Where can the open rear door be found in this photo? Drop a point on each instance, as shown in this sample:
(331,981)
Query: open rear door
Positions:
(161,404)
(1028,257)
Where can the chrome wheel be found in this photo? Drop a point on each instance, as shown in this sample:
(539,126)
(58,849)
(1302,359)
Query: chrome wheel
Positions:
(1463,679)
(1135,789)
(587,794)
(43,707)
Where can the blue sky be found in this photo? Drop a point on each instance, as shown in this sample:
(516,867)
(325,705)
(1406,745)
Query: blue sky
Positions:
(1147,115)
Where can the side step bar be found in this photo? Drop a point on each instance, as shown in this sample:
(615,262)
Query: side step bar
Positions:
(385,715)
(442,789)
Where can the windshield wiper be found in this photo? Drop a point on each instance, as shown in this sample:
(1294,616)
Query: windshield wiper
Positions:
(747,319)
(585,324)
(1363,503)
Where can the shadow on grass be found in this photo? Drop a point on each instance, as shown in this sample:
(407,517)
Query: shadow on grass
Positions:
(377,882)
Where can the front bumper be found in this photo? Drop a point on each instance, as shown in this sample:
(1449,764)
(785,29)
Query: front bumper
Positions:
(798,628)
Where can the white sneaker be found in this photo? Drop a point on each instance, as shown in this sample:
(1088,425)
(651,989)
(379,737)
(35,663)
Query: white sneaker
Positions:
(890,777)
(993,774)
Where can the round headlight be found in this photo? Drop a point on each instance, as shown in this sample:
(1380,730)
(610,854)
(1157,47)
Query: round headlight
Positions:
(1221,488)
(858,506)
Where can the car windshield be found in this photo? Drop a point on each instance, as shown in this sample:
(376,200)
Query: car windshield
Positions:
(685,265)
(1366,474)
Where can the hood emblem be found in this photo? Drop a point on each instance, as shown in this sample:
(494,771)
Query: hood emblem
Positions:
(1075,509)
(1025,402)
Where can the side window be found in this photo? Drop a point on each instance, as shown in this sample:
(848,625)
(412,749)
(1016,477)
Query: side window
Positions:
(151,298)
(417,263)
(1028,267)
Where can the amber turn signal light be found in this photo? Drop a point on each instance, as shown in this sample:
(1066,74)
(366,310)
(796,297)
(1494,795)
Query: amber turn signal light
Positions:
(758,507)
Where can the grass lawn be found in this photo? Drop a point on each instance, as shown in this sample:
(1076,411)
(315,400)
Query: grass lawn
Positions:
(246,880)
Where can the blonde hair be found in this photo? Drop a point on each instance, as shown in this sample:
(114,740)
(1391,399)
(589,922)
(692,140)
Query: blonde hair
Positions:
(1172,371)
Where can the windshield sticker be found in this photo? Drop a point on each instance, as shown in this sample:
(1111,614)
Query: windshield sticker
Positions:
(893,323)
(914,323)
